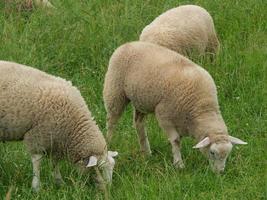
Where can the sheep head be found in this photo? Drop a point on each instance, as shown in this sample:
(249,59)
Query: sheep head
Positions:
(105,165)
(217,149)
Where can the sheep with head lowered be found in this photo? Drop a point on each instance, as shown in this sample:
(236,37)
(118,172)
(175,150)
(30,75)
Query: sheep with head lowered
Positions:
(181,94)
(51,117)
(28,4)
(185,29)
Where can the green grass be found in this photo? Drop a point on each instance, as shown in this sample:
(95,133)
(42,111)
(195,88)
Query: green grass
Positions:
(76,41)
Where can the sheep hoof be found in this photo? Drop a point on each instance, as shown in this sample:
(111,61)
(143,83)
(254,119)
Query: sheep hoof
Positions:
(35,184)
(146,152)
(179,164)
(59,182)
(36,189)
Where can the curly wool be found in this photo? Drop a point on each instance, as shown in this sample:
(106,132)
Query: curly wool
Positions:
(185,29)
(47,112)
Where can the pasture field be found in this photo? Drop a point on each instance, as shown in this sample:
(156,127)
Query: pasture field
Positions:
(76,40)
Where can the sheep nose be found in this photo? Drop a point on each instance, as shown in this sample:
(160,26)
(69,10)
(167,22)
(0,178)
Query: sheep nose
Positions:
(218,170)
(221,170)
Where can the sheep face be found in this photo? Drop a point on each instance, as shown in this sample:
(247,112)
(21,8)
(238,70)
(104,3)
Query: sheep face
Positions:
(217,150)
(217,154)
(107,165)
(104,167)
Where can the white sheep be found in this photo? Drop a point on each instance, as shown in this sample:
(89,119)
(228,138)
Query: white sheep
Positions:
(29,4)
(186,29)
(51,116)
(181,94)
(43,3)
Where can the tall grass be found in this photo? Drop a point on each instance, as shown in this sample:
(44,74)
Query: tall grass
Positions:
(76,40)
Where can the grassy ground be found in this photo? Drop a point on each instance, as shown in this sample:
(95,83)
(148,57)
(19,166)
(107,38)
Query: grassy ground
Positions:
(75,42)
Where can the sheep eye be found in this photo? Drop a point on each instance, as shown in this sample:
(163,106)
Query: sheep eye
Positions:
(212,153)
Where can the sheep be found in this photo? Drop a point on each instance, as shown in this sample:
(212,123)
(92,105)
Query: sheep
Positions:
(186,29)
(181,94)
(43,3)
(28,4)
(51,117)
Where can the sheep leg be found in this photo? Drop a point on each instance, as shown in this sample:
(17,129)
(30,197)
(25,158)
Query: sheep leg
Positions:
(172,134)
(140,128)
(57,175)
(174,139)
(111,122)
(115,108)
(36,161)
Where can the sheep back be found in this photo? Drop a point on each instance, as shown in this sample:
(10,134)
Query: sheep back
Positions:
(156,78)
(185,29)
(47,112)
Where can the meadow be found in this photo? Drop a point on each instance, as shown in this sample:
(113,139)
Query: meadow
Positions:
(76,40)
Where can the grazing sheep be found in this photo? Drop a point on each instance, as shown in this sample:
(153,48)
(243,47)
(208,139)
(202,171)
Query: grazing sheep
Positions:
(185,29)
(50,115)
(43,3)
(180,93)
(28,4)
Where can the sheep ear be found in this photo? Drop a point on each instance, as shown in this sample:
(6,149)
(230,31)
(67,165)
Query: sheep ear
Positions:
(92,161)
(235,140)
(112,153)
(203,143)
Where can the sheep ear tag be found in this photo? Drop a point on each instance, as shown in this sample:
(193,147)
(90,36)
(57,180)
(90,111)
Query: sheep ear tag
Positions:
(112,153)
(92,161)
(203,143)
